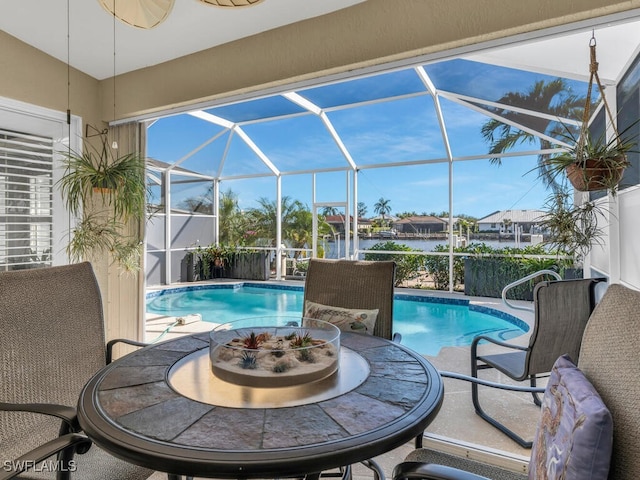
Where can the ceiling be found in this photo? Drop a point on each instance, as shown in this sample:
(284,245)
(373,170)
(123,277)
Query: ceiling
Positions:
(191,26)
(194,26)
(565,53)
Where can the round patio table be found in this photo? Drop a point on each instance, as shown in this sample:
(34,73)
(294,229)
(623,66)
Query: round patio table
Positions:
(148,408)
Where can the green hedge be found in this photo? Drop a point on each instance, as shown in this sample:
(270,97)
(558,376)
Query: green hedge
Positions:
(407,266)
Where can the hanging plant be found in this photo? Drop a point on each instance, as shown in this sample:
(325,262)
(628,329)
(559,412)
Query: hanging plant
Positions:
(573,229)
(118,184)
(593,164)
(120,181)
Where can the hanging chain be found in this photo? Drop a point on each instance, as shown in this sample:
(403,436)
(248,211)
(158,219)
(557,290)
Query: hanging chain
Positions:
(593,73)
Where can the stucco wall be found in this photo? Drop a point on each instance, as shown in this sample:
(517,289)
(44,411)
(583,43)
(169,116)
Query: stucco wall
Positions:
(618,255)
(31,76)
(630,237)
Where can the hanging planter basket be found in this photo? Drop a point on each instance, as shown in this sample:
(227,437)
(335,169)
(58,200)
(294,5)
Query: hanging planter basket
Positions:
(596,174)
(596,164)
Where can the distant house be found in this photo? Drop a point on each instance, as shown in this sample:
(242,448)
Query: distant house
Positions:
(388,219)
(420,224)
(505,221)
(337,223)
(364,224)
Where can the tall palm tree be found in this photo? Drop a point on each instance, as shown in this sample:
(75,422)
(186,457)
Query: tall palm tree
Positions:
(553,97)
(382,207)
(362,210)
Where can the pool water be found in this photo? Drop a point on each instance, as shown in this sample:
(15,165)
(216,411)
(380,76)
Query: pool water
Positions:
(426,323)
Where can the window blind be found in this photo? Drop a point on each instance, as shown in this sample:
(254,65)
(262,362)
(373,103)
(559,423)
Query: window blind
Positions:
(26,200)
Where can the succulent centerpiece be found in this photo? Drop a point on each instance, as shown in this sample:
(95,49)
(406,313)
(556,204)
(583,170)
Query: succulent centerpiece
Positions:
(276,355)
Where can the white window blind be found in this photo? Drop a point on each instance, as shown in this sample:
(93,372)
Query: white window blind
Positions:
(26,200)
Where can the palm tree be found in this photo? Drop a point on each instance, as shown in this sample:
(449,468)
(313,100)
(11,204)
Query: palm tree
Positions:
(231,222)
(462,225)
(300,231)
(327,211)
(382,207)
(263,220)
(362,210)
(506,224)
(553,97)
(297,225)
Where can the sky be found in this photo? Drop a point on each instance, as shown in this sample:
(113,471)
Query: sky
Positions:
(374,133)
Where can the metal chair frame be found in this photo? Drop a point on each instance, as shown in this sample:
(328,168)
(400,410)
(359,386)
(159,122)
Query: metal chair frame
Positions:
(562,309)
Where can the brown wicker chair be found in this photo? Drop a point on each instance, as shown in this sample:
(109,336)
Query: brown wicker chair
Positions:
(51,342)
(561,311)
(609,356)
(354,284)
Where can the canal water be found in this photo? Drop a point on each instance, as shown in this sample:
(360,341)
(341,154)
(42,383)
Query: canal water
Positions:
(336,249)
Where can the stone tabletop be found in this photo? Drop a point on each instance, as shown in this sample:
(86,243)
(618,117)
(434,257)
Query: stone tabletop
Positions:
(130,410)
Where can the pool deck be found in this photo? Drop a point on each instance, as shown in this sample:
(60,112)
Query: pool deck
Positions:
(457,429)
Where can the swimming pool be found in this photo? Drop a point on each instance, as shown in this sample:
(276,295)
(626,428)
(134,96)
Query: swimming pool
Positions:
(426,323)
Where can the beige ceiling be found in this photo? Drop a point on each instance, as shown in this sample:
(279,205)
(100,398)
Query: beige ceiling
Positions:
(192,26)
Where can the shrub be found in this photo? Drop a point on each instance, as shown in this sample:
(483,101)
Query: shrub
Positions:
(407,266)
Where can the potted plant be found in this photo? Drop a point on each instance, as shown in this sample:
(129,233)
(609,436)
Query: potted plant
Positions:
(592,163)
(104,192)
(217,255)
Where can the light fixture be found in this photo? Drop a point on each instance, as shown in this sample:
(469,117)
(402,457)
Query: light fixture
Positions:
(231,3)
(139,13)
(150,13)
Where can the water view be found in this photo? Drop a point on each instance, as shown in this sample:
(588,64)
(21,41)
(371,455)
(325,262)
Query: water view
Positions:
(336,249)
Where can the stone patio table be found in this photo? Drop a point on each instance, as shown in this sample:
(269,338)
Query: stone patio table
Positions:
(133,409)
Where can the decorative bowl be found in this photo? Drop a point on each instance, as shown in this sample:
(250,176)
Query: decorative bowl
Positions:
(275,351)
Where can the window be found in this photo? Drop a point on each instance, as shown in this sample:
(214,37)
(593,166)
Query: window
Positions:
(628,100)
(26,203)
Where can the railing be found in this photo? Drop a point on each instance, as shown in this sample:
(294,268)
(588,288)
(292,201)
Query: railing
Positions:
(523,280)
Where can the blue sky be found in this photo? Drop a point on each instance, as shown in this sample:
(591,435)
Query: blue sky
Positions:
(402,130)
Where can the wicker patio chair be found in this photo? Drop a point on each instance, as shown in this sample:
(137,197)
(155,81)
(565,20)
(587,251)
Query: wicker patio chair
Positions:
(52,341)
(561,311)
(355,284)
(609,357)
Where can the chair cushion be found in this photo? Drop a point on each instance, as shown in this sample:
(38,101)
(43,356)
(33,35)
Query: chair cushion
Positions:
(356,320)
(575,432)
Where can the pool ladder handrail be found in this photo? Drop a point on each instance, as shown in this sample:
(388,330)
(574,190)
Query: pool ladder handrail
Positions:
(523,280)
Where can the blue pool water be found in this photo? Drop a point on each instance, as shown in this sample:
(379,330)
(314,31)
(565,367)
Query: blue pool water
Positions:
(426,323)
